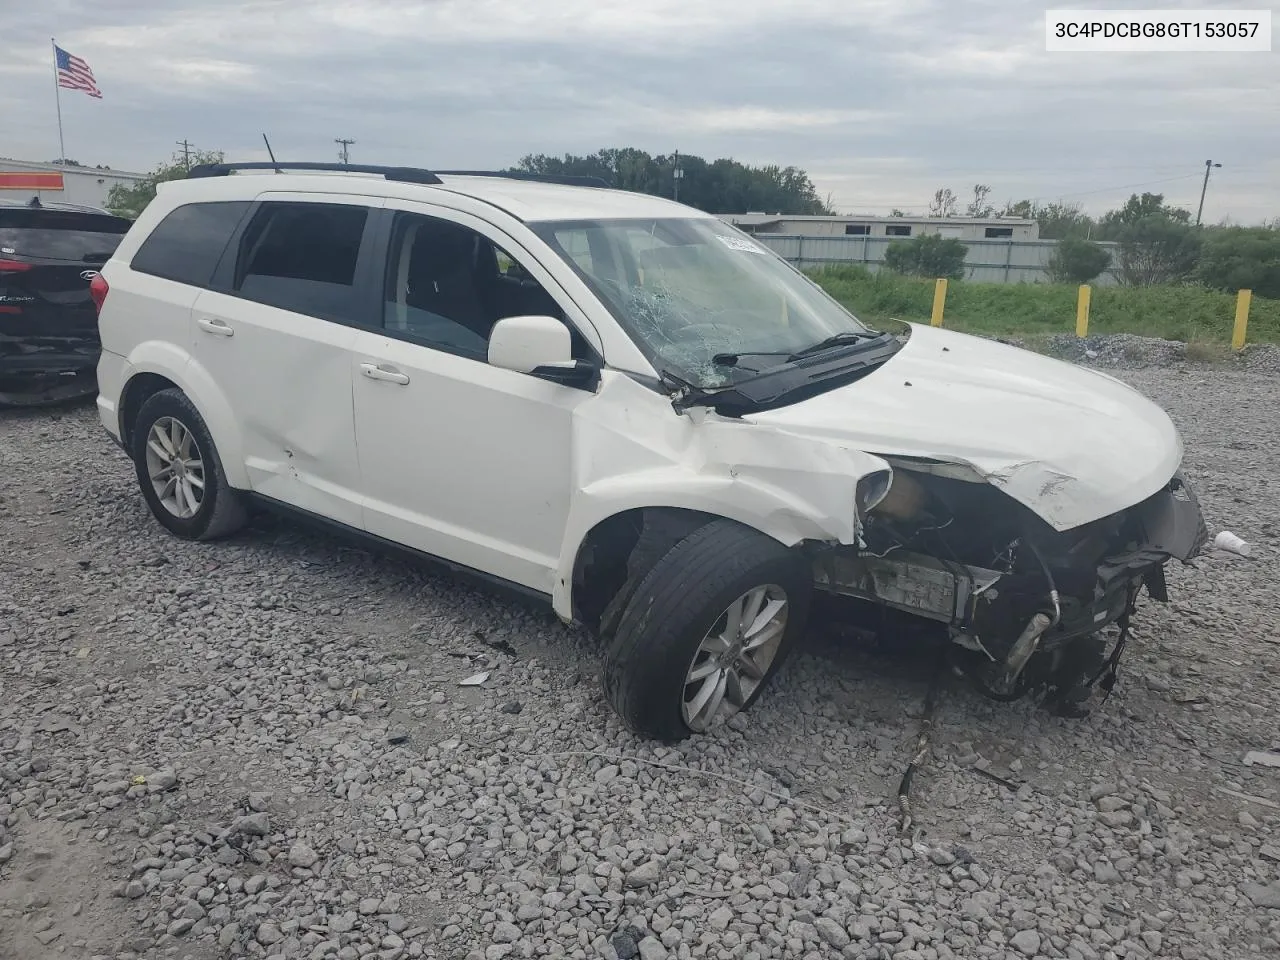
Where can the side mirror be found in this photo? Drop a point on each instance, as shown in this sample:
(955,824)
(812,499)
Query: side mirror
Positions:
(539,346)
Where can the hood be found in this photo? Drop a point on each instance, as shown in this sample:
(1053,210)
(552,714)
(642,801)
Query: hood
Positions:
(1070,444)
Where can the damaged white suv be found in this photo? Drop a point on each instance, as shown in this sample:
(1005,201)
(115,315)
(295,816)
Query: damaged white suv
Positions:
(632,410)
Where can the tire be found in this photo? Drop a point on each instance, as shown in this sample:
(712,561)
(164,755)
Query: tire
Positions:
(221,509)
(660,636)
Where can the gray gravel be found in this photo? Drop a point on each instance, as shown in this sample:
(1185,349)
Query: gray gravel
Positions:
(259,748)
(1131,352)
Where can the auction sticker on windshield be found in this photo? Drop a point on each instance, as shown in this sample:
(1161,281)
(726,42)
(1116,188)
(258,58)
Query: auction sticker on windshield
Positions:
(740,243)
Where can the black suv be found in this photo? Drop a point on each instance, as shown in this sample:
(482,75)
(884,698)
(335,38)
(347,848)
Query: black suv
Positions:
(49,254)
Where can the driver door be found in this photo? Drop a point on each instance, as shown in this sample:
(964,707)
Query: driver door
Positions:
(459,459)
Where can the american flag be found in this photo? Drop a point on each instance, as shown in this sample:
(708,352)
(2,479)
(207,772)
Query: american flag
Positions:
(74,73)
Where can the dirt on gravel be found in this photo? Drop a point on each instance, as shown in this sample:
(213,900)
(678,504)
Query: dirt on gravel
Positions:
(259,748)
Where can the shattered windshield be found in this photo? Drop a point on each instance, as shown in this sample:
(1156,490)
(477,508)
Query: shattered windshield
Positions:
(703,300)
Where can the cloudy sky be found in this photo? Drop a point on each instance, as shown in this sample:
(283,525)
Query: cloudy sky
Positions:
(882,101)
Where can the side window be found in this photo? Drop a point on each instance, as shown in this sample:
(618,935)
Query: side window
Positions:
(447,285)
(302,257)
(187,244)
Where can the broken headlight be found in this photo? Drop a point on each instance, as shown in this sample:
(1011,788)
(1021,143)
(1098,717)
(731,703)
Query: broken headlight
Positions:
(871,489)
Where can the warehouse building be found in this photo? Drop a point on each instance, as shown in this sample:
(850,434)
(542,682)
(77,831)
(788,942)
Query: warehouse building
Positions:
(961,228)
(52,182)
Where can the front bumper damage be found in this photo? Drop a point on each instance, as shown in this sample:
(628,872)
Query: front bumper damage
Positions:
(1004,620)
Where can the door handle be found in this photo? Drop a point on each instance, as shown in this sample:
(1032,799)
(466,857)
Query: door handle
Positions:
(217,327)
(376,372)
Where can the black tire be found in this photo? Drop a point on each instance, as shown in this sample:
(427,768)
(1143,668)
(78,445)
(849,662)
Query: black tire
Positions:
(677,604)
(222,509)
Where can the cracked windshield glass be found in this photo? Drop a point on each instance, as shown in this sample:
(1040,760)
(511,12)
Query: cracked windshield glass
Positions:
(707,303)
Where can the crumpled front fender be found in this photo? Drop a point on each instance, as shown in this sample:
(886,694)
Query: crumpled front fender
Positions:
(792,488)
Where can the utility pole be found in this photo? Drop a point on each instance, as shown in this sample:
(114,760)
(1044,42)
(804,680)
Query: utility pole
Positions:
(677,175)
(1208,165)
(186,153)
(344,143)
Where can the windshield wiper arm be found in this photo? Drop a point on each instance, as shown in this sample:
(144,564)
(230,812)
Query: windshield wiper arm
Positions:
(841,339)
(731,359)
(836,340)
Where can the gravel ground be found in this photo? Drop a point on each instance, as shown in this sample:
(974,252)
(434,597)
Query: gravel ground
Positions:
(260,748)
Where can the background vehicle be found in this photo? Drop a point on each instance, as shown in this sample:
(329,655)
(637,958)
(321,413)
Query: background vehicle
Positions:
(49,254)
(629,409)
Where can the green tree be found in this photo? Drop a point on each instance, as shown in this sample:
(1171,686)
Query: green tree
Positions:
(980,205)
(928,256)
(1137,208)
(1057,221)
(1077,261)
(944,203)
(1237,258)
(130,201)
(718,186)
(1157,249)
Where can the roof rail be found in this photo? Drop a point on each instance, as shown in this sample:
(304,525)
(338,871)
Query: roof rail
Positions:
(403,174)
(564,179)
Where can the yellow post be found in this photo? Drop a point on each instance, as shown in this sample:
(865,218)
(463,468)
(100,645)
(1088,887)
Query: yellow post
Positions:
(1082,311)
(939,301)
(1242,318)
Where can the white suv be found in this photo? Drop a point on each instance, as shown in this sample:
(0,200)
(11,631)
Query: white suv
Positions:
(630,409)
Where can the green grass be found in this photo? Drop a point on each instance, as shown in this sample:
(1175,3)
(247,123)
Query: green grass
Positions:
(1034,310)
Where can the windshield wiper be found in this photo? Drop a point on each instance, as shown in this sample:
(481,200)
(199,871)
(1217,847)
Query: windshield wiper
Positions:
(841,339)
(731,359)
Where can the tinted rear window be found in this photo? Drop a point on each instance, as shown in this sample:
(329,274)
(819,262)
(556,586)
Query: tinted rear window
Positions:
(60,234)
(302,257)
(187,244)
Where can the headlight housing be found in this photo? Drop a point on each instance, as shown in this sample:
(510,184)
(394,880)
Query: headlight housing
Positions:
(871,489)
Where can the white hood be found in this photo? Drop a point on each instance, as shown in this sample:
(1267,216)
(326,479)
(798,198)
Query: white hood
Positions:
(1071,444)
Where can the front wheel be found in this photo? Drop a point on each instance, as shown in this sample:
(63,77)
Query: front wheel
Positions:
(706,630)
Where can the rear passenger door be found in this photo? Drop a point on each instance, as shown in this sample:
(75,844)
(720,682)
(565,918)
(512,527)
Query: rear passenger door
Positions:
(275,334)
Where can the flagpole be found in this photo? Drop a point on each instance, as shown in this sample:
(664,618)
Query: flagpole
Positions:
(57,96)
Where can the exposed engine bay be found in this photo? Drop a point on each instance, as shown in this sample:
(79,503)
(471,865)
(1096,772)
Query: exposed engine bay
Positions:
(1022,603)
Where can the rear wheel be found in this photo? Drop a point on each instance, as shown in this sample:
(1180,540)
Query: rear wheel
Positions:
(706,630)
(179,471)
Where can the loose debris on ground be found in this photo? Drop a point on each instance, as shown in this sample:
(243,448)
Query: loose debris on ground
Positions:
(260,748)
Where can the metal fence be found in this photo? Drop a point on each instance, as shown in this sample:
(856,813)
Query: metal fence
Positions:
(987,261)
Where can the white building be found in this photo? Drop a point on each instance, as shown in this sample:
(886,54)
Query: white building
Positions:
(962,228)
(88,186)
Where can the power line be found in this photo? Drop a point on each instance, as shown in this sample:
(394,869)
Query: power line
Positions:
(186,153)
(1122,186)
(344,142)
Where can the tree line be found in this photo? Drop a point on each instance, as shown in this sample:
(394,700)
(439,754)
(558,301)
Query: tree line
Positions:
(716,186)
(1156,242)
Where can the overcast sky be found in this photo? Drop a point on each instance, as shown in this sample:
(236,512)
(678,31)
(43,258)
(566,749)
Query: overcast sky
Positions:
(882,101)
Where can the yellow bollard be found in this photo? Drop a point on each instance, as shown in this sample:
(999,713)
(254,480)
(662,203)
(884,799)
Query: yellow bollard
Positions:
(1082,312)
(939,301)
(1242,318)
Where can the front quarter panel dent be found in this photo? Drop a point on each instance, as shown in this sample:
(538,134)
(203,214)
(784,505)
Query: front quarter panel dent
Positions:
(789,487)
